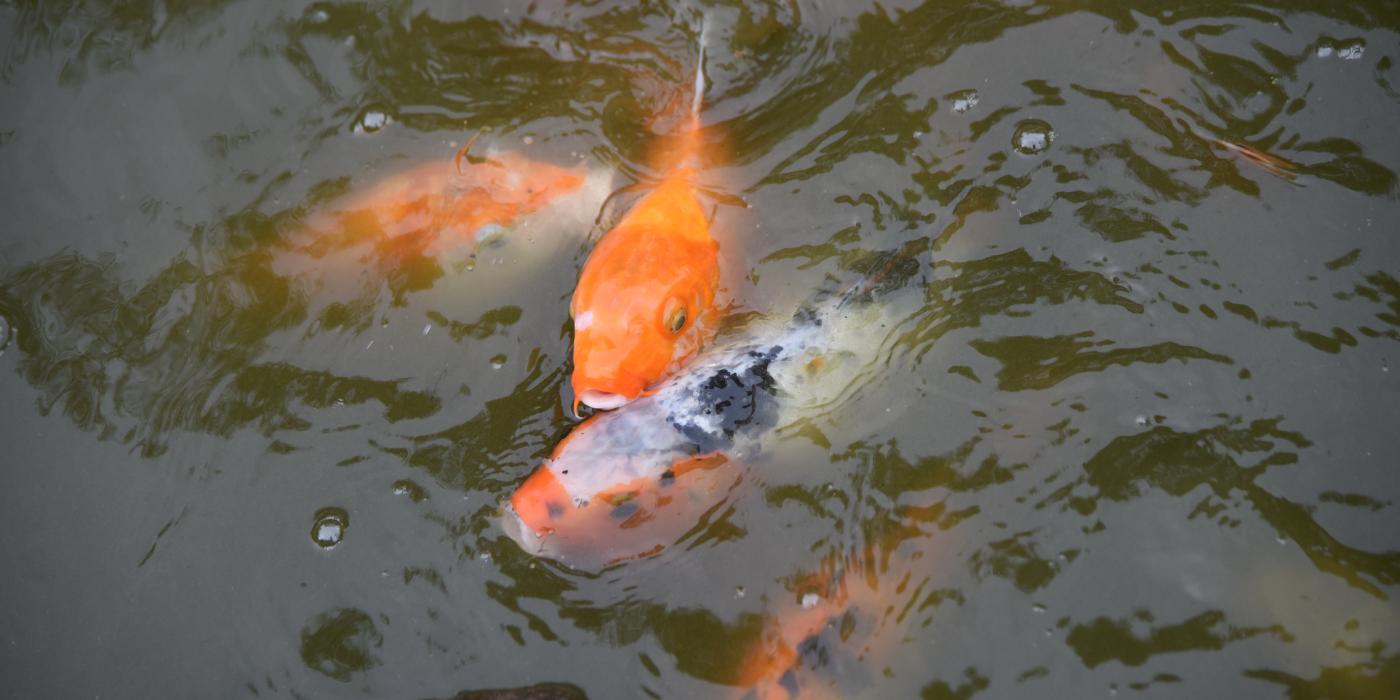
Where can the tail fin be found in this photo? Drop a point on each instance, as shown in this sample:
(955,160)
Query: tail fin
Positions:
(681,153)
(697,99)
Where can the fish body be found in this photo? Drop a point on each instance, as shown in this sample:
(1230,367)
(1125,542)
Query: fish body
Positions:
(773,666)
(406,232)
(450,205)
(646,297)
(623,484)
(645,300)
(821,637)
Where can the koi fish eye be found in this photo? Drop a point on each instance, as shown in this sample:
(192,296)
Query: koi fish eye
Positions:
(675,317)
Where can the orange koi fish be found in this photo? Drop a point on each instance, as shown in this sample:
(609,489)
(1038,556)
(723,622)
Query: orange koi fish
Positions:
(796,658)
(770,668)
(645,301)
(444,205)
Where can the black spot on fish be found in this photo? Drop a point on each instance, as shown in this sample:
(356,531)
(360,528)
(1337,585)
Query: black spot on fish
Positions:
(623,510)
(729,401)
(807,314)
(789,682)
(668,477)
(812,651)
(555,510)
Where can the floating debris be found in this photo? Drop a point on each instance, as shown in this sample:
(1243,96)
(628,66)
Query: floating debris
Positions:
(1274,165)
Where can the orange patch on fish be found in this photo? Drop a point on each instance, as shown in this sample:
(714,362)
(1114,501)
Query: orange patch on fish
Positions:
(624,521)
(850,611)
(437,206)
(768,669)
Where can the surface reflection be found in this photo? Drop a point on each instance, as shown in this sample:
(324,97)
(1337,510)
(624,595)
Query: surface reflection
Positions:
(1129,427)
(1228,460)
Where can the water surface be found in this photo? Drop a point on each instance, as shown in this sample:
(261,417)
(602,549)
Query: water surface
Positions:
(1137,436)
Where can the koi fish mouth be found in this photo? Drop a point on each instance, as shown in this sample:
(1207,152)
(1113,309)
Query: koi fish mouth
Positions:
(515,528)
(603,400)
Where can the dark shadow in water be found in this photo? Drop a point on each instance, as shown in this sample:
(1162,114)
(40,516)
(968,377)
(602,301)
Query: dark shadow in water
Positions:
(1030,362)
(539,691)
(340,643)
(972,684)
(1105,639)
(494,447)
(1218,459)
(969,291)
(179,353)
(1377,677)
(102,37)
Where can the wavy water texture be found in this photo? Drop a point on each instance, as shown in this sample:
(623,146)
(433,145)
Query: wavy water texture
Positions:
(1129,425)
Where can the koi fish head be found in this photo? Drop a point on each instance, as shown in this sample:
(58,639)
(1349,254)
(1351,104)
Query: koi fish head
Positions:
(645,299)
(592,504)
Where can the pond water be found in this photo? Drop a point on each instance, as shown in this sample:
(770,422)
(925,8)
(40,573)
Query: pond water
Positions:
(1132,431)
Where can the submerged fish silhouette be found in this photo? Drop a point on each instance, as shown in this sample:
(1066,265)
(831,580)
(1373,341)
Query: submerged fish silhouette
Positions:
(448,205)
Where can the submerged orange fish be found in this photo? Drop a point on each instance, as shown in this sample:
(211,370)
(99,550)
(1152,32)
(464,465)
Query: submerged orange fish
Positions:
(824,636)
(772,668)
(449,204)
(646,298)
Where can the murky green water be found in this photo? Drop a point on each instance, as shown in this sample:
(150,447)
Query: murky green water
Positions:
(1139,437)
